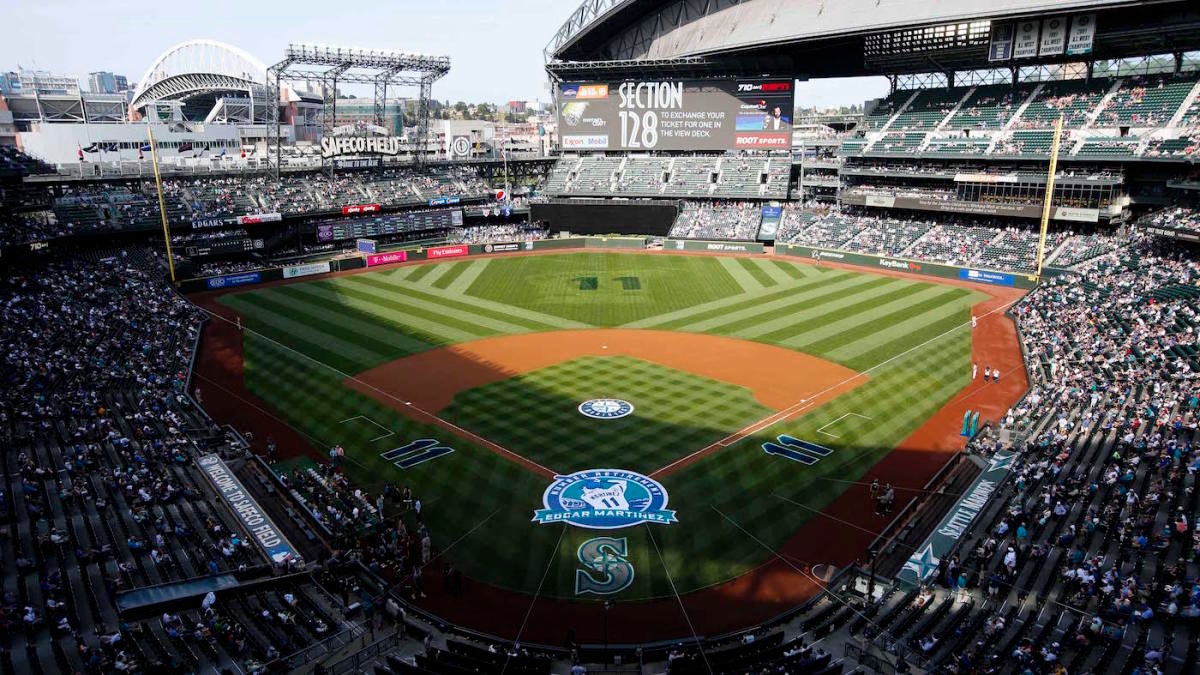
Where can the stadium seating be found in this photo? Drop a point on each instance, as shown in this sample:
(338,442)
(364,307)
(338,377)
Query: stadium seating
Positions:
(721,176)
(1145,101)
(928,109)
(990,107)
(899,142)
(1074,100)
(717,220)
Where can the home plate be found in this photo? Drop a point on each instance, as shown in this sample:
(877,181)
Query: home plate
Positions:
(603,346)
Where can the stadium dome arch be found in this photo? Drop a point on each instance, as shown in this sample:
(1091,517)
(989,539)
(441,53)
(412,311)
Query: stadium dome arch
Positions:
(200,72)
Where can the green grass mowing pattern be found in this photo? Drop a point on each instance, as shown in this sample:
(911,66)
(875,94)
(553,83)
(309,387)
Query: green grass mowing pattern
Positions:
(755,269)
(740,480)
(788,268)
(782,295)
(455,271)
(346,327)
(418,274)
(536,415)
(552,284)
(458,491)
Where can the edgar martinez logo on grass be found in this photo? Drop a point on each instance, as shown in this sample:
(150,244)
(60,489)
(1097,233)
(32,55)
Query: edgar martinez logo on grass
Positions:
(605,408)
(605,499)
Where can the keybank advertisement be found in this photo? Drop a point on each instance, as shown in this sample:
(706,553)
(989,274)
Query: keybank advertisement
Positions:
(986,277)
(727,114)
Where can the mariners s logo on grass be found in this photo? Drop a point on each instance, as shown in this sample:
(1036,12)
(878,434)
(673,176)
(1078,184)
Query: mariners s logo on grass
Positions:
(605,408)
(604,499)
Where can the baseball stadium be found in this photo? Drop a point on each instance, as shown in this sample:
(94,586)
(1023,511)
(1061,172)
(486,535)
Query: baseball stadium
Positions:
(676,373)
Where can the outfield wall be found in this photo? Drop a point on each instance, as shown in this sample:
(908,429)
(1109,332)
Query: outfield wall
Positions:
(911,266)
(447,252)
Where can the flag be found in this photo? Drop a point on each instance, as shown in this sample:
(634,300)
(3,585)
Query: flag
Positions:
(243,153)
(185,146)
(140,155)
(110,147)
(144,148)
(80,151)
(91,148)
(222,152)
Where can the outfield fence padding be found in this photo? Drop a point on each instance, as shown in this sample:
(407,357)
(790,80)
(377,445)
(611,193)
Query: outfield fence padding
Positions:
(921,267)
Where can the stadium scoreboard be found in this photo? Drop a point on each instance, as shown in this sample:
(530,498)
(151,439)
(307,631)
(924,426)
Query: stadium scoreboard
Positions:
(714,114)
(394,223)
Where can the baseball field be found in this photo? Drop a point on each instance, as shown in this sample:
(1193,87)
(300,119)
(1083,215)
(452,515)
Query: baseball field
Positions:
(489,360)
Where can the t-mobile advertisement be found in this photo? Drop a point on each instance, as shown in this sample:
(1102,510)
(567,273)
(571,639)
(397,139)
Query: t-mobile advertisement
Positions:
(733,114)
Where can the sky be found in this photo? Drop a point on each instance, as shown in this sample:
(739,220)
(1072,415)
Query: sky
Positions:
(495,47)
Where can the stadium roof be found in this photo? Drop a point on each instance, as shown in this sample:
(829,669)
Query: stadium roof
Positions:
(810,30)
(200,68)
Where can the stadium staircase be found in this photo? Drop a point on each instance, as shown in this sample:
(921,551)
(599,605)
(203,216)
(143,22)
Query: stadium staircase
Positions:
(1177,118)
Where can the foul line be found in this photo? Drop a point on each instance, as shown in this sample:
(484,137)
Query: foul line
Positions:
(802,404)
(671,580)
(495,447)
(545,573)
(822,429)
(364,417)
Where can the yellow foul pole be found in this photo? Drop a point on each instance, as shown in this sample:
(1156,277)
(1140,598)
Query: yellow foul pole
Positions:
(1047,202)
(162,207)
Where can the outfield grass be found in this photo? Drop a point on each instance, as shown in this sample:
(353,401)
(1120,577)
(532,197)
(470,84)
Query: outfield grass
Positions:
(304,339)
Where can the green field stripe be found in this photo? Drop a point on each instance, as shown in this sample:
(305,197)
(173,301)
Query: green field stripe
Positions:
(859,314)
(259,331)
(427,318)
(814,297)
(455,269)
(435,273)
(457,314)
(755,267)
(398,273)
(943,329)
(346,319)
(792,270)
(915,322)
(418,272)
(510,312)
(791,317)
(470,273)
(272,314)
(682,317)
(740,274)
(771,268)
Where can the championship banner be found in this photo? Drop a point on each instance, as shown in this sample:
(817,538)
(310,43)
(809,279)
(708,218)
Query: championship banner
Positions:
(1001,45)
(1054,36)
(387,258)
(257,523)
(1082,35)
(305,270)
(259,218)
(446,252)
(1026,42)
(924,563)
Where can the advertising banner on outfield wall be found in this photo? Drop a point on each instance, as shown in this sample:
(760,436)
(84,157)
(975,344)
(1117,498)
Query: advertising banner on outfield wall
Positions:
(229,280)
(924,562)
(257,523)
(911,266)
(508,247)
(305,270)
(715,246)
(259,218)
(446,252)
(387,258)
(995,278)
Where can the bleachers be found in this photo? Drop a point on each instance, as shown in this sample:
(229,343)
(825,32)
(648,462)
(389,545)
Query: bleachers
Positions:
(990,107)
(1145,101)
(1074,100)
(928,109)
(905,142)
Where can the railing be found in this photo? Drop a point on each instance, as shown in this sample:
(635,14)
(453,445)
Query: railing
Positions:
(354,663)
(327,646)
